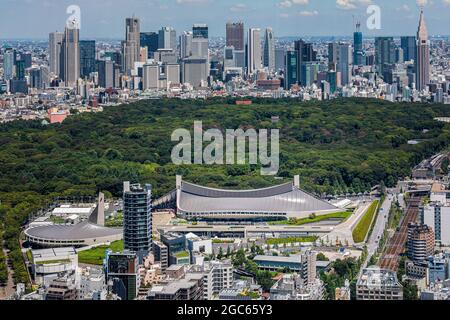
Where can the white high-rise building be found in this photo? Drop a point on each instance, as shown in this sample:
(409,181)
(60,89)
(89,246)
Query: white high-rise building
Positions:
(167,38)
(254,57)
(269,50)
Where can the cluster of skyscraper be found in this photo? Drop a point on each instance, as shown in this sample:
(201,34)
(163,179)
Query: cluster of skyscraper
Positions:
(155,60)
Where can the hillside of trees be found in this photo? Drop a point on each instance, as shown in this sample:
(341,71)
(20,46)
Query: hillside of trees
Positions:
(336,147)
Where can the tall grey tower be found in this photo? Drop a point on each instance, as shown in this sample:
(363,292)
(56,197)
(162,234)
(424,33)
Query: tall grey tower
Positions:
(54,48)
(269,50)
(423,55)
(70,55)
(132,44)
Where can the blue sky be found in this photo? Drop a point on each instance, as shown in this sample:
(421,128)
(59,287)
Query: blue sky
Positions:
(105,18)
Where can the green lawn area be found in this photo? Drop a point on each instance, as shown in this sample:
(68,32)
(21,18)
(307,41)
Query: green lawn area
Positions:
(360,232)
(312,219)
(96,255)
(53,261)
(182,254)
(279,241)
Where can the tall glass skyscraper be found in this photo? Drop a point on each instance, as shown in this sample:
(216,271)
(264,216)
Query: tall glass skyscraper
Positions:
(358,52)
(291,71)
(149,40)
(8,64)
(409,46)
(137,228)
(87,58)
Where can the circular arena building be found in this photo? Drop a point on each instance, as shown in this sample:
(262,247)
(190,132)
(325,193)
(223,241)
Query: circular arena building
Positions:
(86,233)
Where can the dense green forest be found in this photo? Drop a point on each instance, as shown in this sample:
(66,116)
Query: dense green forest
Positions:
(336,147)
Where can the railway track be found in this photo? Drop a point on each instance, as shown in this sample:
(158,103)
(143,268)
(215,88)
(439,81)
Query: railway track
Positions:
(391,258)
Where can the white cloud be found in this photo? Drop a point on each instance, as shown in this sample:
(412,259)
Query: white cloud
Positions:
(192,1)
(308,13)
(238,7)
(404,7)
(290,3)
(422,3)
(446,2)
(351,4)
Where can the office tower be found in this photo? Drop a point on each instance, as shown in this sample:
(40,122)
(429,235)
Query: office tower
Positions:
(399,55)
(280,58)
(269,50)
(172,73)
(195,71)
(200,42)
(332,55)
(332,79)
(87,58)
(254,58)
(106,74)
(291,69)
(150,79)
(70,56)
(54,49)
(305,53)
(186,44)
(384,54)
(132,44)
(122,274)
(358,54)
(200,30)
(143,54)
(344,63)
(423,55)
(39,78)
(27,59)
(326,89)
(18,86)
(20,70)
(409,46)
(149,40)
(235,35)
(167,39)
(228,58)
(309,71)
(137,231)
(8,64)
(165,56)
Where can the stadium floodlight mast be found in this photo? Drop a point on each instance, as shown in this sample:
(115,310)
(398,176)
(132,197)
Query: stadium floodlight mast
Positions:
(235,152)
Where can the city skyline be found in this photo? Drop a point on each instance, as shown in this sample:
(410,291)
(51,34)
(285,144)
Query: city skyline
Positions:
(287,18)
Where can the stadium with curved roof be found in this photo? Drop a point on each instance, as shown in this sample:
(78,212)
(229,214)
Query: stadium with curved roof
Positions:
(86,233)
(279,202)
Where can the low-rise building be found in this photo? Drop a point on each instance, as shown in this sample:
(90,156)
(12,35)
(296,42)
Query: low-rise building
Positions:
(378,284)
(188,288)
(218,275)
(49,264)
(292,287)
